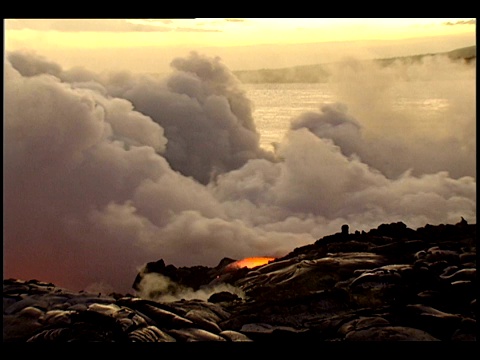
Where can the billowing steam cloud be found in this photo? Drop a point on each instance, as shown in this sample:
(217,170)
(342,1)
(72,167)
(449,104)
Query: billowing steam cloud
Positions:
(105,172)
(394,138)
(161,288)
(206,116)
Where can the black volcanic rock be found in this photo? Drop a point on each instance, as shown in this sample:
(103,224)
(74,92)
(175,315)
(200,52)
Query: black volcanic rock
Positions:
(223,296)
(302,277)
(389,284)
(394,230)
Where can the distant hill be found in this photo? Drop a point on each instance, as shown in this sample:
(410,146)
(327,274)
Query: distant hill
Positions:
(468,53)
(318,73)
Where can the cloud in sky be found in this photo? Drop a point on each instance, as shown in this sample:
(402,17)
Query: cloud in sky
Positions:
(101,174)
(235,20)
(461,22)
(102,25)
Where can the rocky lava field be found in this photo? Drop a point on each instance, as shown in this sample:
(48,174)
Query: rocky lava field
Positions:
(391,283)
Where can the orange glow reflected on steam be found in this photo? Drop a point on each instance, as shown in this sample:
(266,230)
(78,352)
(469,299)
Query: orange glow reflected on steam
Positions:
(251,262)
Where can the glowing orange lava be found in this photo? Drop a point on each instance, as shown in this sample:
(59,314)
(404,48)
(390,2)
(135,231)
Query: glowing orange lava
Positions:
(250,262)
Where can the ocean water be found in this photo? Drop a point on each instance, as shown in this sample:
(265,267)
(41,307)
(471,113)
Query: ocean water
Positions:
(275,105)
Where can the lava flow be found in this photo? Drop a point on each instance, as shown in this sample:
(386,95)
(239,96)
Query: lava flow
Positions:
(250,262)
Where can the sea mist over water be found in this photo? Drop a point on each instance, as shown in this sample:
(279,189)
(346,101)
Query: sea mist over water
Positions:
(107,171)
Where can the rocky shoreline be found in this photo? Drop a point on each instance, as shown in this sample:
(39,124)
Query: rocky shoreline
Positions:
(390,284)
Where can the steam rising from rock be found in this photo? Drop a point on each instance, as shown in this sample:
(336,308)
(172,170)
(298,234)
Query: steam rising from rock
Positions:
(161,288)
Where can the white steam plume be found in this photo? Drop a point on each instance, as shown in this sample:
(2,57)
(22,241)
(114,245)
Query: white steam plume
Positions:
(105,172)
(392,137)
(161,288)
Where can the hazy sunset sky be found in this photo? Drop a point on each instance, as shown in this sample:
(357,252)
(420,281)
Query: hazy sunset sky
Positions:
(151,43)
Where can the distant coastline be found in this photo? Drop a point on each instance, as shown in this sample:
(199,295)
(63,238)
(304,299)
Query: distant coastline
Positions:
(318,73)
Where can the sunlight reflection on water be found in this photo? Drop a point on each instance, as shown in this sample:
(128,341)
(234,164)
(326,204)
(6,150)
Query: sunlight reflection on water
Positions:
(276,104)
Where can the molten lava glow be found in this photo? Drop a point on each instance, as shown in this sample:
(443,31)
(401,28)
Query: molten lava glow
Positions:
(251,262)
